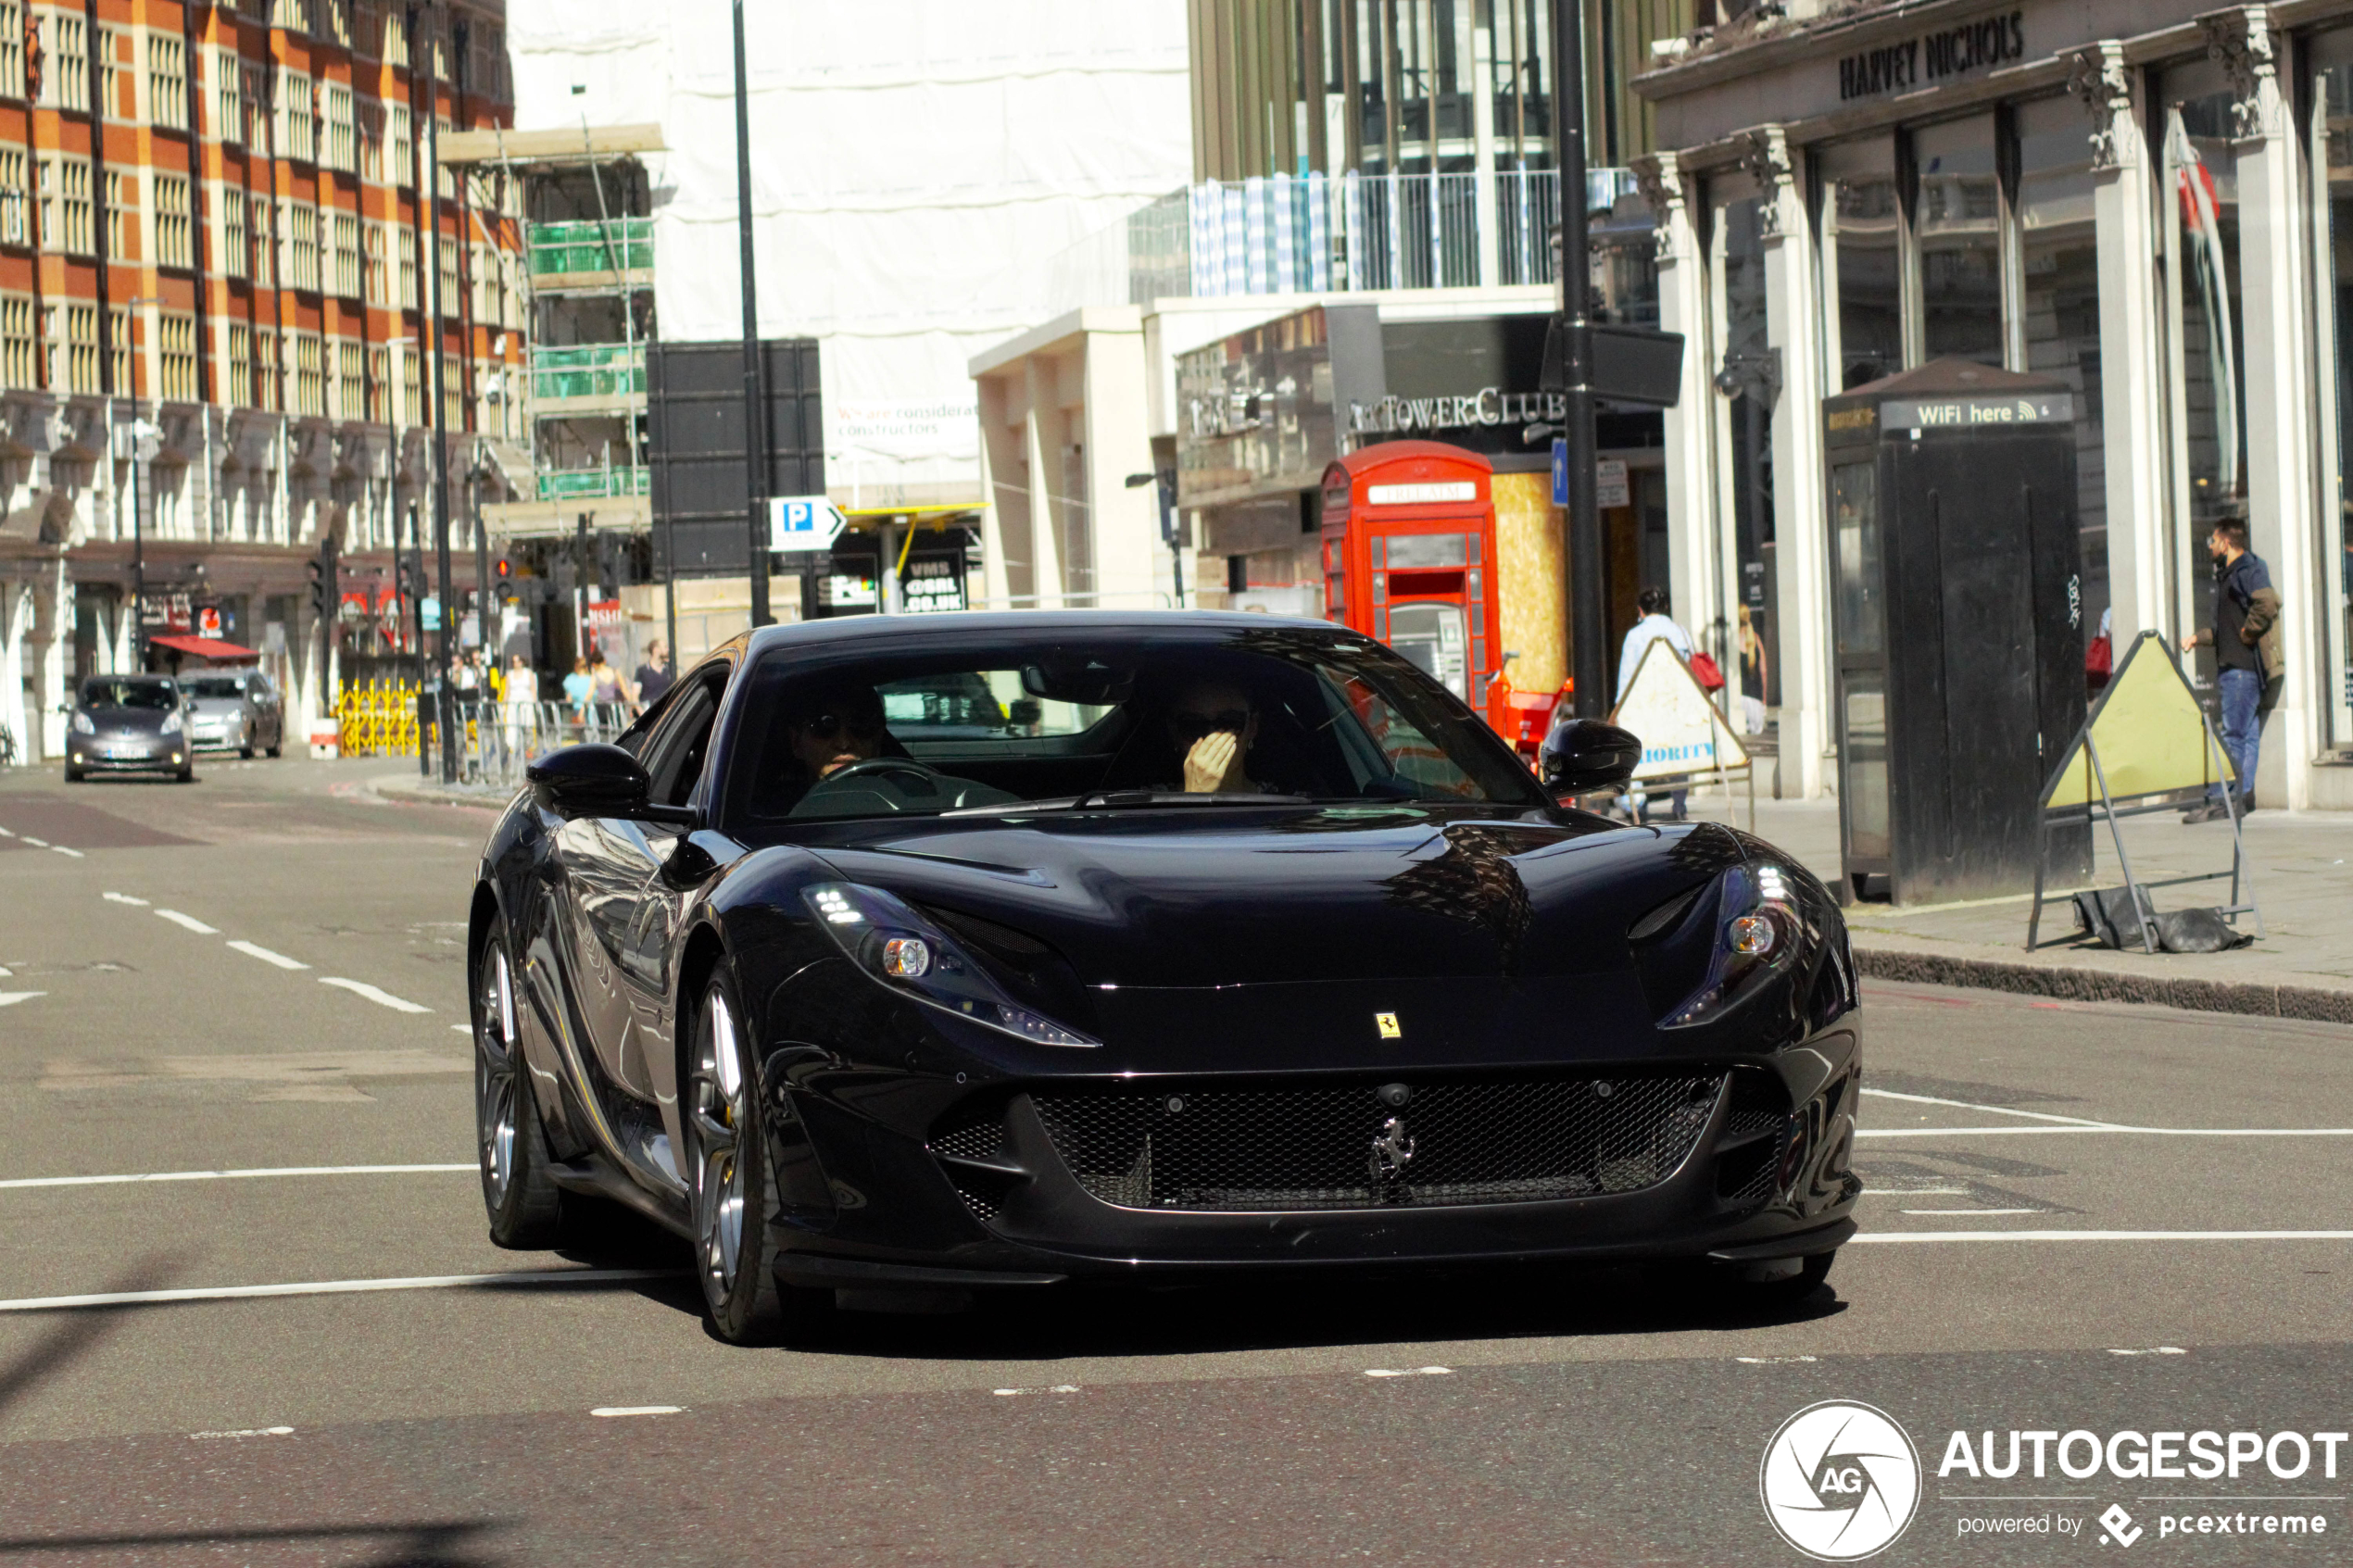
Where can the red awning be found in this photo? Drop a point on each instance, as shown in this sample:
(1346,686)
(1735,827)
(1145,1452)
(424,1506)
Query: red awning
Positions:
(202,647)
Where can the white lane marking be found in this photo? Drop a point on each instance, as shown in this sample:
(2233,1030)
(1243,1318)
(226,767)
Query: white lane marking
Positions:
(2090,1132)
(1409,1372)
(2152,1350)
(5,833)
(249,1432)
(2104,1235)
(230,1175)
(10,999)
(63,850)
(190,921)
(1773,1361)
(381,998)
(1973,1210)
(1915,1192)
(125,899)
(335,1287)
(36,843)
(1990,1110)
(638,1410)
(1057,1388)
(463,1028)
(252,951)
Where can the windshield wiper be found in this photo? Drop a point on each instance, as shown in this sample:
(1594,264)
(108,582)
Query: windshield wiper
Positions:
(1125,800)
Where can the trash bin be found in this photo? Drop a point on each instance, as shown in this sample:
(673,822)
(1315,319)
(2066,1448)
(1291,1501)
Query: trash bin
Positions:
(1957,626)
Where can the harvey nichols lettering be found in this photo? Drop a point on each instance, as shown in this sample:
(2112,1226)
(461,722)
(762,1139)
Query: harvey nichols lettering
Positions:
(1932,57)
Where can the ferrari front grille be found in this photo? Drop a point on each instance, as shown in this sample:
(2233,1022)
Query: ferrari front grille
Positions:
(1368,1146)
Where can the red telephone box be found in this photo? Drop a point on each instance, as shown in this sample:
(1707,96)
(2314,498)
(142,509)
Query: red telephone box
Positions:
(1409,558)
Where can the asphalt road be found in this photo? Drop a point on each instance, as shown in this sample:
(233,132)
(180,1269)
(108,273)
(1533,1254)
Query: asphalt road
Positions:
(2098,1218)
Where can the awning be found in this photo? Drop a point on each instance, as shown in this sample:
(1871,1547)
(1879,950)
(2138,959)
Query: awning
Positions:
(202,647)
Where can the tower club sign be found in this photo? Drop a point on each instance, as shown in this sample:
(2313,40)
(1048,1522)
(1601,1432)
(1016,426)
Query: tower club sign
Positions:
(1933,57)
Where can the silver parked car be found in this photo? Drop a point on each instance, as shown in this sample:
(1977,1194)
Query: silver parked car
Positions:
(130,723)
(234,711)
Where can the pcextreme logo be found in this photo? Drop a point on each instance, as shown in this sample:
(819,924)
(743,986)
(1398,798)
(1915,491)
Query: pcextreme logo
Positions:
(1841,1480)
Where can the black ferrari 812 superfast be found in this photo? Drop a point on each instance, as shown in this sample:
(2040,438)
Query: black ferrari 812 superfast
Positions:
(899,957)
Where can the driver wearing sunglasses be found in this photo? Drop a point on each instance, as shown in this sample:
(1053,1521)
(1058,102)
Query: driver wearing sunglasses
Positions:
(1211,726)
(837,727)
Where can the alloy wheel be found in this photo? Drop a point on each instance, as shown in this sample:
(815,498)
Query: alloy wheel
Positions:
(498,1080)
(720,1114)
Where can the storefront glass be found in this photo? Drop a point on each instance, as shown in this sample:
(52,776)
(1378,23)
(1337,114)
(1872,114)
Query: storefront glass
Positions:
(1862,256)
(1958,216)
(2332,164)
(2059,267)
(2201,191)
(1751,374)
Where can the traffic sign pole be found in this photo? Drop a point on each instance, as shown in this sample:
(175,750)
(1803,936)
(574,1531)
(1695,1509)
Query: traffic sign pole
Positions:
(1588,619)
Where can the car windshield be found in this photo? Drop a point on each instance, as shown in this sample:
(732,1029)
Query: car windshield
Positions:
(111,693)
(1041,720)
(218,685)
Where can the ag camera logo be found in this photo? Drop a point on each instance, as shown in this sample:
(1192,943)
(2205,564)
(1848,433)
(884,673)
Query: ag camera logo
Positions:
(1841,1481)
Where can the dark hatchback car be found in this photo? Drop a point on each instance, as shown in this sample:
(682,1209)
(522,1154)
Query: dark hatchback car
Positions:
(891,955)
(130,725)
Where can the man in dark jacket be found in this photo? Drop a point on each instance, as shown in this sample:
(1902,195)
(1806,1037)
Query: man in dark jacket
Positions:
(2247,656)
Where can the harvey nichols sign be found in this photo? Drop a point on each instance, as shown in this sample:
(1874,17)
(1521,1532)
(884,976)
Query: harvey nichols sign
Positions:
(1933,57)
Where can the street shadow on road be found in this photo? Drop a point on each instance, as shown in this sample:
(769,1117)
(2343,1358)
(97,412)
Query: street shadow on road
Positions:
(433,1543)
(1092,1320)
(76,1333)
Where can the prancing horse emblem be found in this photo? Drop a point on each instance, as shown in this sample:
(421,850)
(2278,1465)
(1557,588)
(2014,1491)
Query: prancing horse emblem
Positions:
(1392,1151)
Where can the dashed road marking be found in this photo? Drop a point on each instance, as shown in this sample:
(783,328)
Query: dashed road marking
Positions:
(249,1432)
(1409,1372)
(2105,1131)
(609,1410)
(189,921)
(266,956)
(1973,1210)
(1057,1388)
(2152,1350)
(63,850)
(36,843)
(1773,1361)
(233,1176)
(125,899)
(380,997)
(336,1287)
(10,999)
(1990,1110)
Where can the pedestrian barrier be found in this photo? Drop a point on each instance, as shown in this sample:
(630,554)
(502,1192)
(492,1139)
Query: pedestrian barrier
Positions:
(500,738)
(376,718)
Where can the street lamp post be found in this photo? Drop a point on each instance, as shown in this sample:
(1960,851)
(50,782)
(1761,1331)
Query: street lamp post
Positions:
(143,439)
(755,431)
(1586,595)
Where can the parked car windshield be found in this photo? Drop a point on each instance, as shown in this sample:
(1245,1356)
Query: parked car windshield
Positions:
(1043,721)
(217,686)
(111,692)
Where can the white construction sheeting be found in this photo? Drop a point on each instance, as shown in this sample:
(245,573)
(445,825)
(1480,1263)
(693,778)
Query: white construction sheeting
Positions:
(914,164)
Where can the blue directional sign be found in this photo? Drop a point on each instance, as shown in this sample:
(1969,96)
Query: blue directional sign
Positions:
(1560,472)
(803,522)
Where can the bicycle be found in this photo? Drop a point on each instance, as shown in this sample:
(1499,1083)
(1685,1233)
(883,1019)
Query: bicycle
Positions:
(7,746)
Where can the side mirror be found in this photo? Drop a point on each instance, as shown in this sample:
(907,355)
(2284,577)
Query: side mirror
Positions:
(590,780)
(1585,755)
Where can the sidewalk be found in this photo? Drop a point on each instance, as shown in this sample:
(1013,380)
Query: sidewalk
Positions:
(2300,866)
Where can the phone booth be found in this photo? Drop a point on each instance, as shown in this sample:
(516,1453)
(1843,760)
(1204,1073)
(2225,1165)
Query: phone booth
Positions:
(1409,554)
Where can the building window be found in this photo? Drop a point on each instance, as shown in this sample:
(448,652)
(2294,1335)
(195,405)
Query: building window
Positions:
(371,116)
(240,387)
(394,32)
(338,20)
(228,97)
(342,135)
(232,259)
(346,231)
(2202,261)
(2059,277)
(407,268)
(1745,444)
(263,246)
(171,220)
(82,347)
(65,204)
(367,28)
(265,369)
(298,117)
(1957,228)
(12,228)
(448,300)
(256,101)
(1862,261)
(374,238)
(444,178)
(412,393)
(11,55)
(122,216)
(167,80)
(309,375)
(302,247)
(116,92)
(120,345)
(178,355)
(351,382)
(19,363)
(404,163)
(65,38)
(2332,132)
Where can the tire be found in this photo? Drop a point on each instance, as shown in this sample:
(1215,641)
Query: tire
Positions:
(246,750)
(73,774)
(731,1190)
(186,774)
(274,750)
(526,1207)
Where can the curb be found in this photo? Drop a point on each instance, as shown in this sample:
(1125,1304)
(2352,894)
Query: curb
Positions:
(2310,1003)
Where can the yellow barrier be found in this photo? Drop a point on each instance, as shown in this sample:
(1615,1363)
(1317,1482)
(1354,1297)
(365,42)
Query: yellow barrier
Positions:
(377,719)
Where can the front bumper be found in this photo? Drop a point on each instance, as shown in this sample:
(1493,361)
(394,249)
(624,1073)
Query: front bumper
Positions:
(143,754)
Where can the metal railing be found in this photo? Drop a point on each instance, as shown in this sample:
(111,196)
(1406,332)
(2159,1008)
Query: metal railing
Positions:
(593,245)
(588,369)
(564,484)
(499,739)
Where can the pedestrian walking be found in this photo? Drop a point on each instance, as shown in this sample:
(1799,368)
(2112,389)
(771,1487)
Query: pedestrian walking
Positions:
(653,676)
(609,691)
(578,688)
(522,705)
(1656,626)
(2244,634)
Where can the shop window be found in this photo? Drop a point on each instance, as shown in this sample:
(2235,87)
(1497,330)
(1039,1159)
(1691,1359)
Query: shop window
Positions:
(1957,224)
(2059,293)
(1862,253)
(2201,194)
(1749,377)
(2333,159)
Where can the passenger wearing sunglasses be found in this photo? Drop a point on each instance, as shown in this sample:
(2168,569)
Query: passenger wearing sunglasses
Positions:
(1211,726)
(837,727)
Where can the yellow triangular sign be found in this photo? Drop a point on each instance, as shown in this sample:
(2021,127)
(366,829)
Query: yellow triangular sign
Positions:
(2150,731)
(1681,731)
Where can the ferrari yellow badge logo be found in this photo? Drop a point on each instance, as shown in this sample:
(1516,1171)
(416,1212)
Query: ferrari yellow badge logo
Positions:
(1388,1024)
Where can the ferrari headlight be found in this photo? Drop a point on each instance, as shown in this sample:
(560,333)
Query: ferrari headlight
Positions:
(890,941)
(1763,931)
(83,726)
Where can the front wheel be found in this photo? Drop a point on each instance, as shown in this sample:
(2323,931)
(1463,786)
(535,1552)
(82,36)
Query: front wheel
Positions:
(524,1204)
(73,774)
(735,1198)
